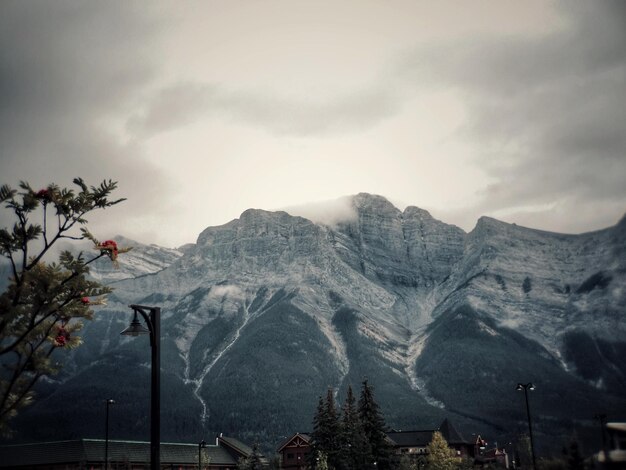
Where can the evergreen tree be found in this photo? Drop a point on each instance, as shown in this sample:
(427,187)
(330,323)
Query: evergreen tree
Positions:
(354,444)
(440,456)
(255,459)
(252,462)
(374,429)
(325,435)
(44,303)
(318,434)
(332,430)
(244,463)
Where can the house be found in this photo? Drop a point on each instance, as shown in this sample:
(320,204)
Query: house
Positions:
(614,456)
(415,443)
(295,451)
(410,442)
(493,456)
(88,454)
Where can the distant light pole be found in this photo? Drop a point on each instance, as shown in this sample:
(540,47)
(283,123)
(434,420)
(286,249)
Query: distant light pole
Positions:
(601,417)
(108,402)
(201,445)
(526,387)
(152,317)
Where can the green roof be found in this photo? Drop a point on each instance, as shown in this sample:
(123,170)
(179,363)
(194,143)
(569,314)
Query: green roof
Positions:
(423,438)
(92,450)
(237,445)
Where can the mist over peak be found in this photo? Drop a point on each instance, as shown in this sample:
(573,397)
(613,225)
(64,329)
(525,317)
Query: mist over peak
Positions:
(328,212)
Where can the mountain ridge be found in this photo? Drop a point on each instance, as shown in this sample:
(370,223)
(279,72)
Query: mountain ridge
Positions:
(274,305)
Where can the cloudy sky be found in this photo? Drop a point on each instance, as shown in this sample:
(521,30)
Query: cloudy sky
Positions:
(202,109)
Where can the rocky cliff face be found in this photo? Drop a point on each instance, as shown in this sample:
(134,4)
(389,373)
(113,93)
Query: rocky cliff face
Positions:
(396,248)
(262,314)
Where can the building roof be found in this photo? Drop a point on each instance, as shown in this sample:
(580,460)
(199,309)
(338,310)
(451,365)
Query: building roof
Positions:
(423,438)
(411,438)
(236,445)
(616,426)
(238,449)
(304,437)
(92,450)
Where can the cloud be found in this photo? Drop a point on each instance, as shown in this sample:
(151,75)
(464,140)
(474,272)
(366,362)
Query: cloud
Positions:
(547,114)
(223,290)
(90,89)
(330,212)
(183,103)
(68,70)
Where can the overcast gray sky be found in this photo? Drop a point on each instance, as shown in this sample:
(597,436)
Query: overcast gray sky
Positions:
(202,109)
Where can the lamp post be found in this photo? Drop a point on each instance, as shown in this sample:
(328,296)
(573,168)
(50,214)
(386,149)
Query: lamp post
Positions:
(108,402)
(526,387)
(152,317)
(601,417)
(201,445)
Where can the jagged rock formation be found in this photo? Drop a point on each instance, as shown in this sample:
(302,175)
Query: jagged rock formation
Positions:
(262,314)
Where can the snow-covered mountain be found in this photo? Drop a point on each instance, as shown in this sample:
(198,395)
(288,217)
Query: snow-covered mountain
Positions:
(264,313)
(142,259)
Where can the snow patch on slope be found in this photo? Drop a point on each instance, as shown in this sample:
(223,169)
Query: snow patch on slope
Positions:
(418,384)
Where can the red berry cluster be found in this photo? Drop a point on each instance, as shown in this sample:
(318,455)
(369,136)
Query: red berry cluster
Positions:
(44,195)
(62,337)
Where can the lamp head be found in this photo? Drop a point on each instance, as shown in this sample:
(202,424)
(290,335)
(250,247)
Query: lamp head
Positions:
(110,401)
(135,328)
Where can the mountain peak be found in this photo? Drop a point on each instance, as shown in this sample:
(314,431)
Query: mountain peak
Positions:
(413,211)
(249,214)
(486,221)
(487,224)
(373,202)
(256,216)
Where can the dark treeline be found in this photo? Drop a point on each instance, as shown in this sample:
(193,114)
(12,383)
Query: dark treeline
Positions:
(351,438)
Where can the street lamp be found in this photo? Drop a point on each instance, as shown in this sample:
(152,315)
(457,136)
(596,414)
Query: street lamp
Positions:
(201,445)
(152,317)
(526,387)
(108,402)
